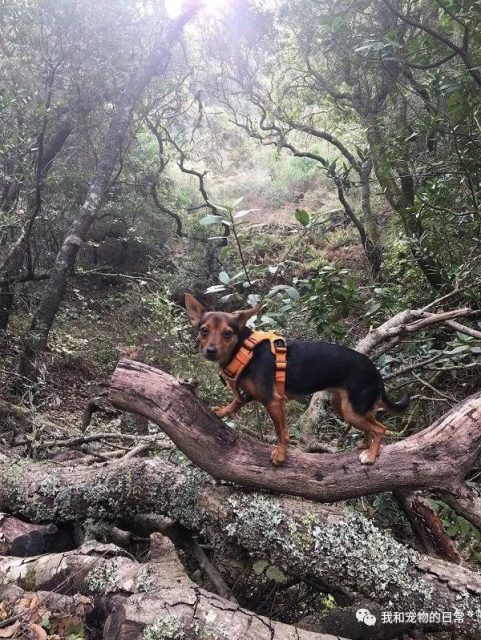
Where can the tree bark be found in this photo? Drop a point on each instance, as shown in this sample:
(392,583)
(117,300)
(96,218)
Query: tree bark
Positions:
(373,245)
(13,263)
(327,477)
(157,594)
(154,64)
(341,550)
(430,459)
(20,538)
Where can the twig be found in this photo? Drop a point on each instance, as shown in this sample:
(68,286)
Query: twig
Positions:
(411,367)
(206,565)
(450,295)
(140,448)
(457,326)
(425,383)
(93,438)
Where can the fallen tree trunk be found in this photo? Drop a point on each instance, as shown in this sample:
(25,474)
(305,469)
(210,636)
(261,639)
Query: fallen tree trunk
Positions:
(437,458)
(156,596)
(343,551)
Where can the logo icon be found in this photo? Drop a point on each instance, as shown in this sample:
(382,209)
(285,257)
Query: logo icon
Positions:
(364,615)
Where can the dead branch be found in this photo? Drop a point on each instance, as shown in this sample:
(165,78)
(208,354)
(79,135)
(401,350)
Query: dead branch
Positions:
(206,565)
(138,596)
(22,538)
(430,459)
(405,323)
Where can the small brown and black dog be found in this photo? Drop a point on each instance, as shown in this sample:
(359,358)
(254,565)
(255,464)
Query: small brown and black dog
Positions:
(356,387)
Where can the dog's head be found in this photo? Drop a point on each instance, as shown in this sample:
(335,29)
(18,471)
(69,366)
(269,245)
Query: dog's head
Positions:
(219,332)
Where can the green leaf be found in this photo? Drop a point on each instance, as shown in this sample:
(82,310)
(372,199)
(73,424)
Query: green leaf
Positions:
(460,349)
(253,299)
(236,202)
(464,526)
(224,277)
(220,206)
(45,621)
(274,573)
(259,567)
(303,217)
(292,293)
(372,309)
(75,631)
(462,337)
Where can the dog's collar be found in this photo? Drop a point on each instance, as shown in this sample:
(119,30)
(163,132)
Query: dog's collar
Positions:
(244,355)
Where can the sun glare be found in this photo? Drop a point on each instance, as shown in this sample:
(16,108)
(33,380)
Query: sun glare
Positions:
(174,7)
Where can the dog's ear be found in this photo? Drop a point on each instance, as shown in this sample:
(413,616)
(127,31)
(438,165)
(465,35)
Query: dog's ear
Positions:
(194,309)
(244,315)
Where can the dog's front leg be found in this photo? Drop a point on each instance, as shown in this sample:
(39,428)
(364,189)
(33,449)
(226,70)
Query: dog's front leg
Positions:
(232,407)
(275,409)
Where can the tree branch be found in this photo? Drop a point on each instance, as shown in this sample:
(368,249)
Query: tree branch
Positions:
(425,460)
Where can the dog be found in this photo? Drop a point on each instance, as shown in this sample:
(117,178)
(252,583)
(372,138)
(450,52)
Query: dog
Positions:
(356,386)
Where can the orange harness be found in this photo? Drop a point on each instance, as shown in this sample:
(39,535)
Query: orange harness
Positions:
(245,354)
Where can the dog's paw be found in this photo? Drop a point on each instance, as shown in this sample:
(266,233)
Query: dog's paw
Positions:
(219,411)
(367,458)
(278,456)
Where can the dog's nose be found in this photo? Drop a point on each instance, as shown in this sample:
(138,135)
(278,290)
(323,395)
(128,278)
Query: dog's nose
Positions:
(211,353)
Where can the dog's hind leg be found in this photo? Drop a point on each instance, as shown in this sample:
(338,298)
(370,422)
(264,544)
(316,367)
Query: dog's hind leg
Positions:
(373,430)
(369,456)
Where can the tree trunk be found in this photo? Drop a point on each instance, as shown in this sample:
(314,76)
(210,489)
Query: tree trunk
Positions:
(6,303)
(401,199)
(133,598)
(372,244)
(155,64)
(341,550)
(13,263)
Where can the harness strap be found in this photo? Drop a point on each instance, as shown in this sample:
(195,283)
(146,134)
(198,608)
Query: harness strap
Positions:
(245,354)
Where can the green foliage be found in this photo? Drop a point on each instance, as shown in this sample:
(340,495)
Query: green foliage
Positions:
(288,176)
(75,631)
(330,299)
(466,536)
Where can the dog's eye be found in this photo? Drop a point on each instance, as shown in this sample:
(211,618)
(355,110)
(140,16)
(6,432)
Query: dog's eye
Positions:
(228,333)
(204,331)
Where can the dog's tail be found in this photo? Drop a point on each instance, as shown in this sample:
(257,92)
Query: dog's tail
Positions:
(395,407)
